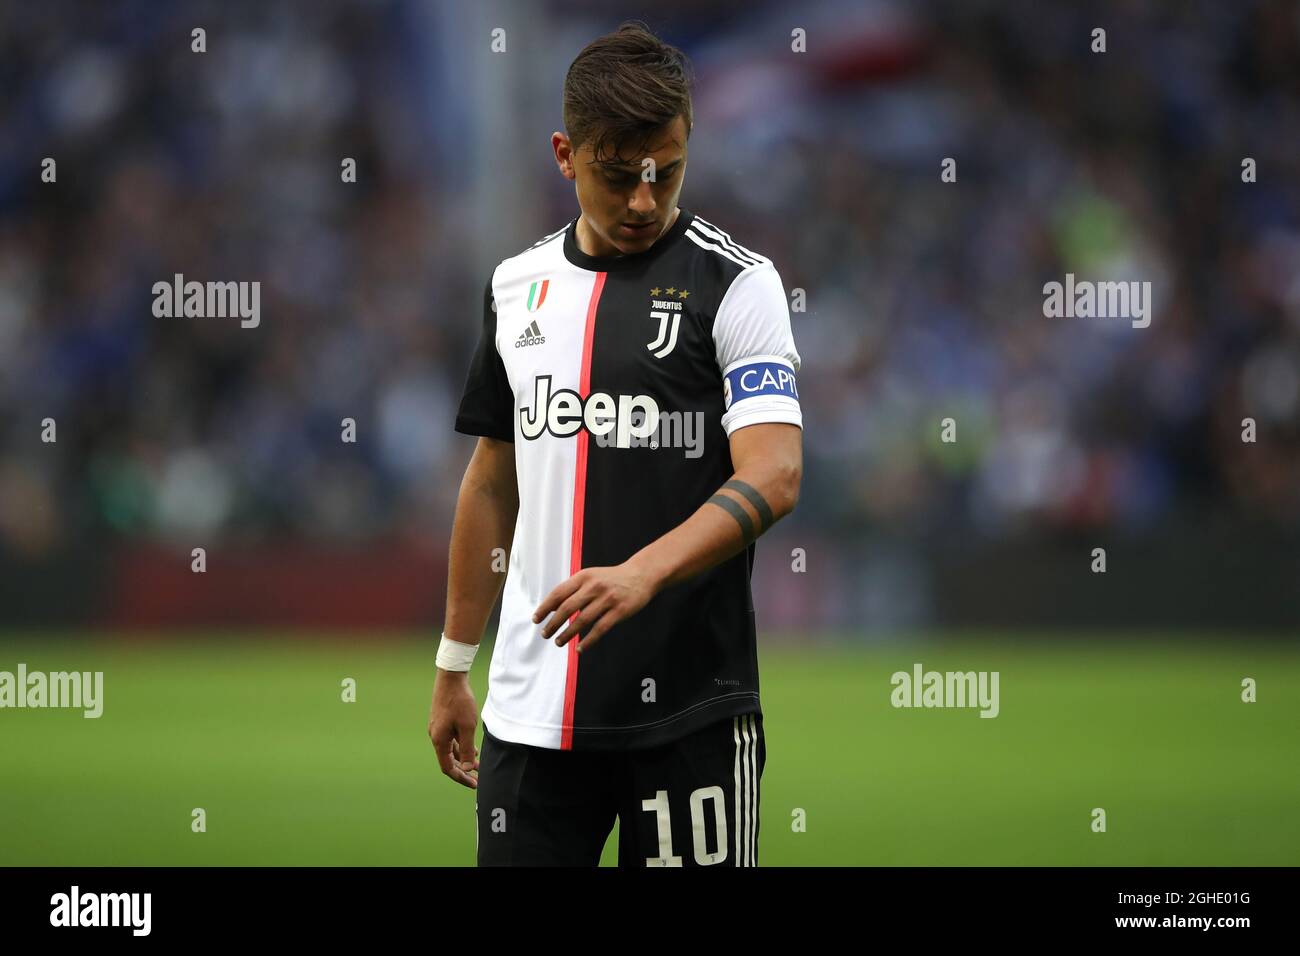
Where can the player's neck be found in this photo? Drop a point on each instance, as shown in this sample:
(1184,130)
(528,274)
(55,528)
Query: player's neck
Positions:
(588,243)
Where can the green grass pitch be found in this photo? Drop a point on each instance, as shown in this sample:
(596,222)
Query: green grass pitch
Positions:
(255,732)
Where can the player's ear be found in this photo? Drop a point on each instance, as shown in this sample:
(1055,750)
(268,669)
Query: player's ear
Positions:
(563,149)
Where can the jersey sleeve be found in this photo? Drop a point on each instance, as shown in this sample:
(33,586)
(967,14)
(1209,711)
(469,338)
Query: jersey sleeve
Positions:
(756,351)
(488,405)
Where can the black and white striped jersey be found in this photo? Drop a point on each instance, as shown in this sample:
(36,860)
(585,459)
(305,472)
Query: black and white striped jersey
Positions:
(619,380)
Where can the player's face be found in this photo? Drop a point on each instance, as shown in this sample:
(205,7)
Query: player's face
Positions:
(627,203)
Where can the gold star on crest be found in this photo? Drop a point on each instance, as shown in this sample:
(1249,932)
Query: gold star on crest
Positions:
(654,291)
(670,290)
(683,294)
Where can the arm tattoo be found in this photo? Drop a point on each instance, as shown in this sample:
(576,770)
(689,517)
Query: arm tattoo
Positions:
(750,493)
(733,508)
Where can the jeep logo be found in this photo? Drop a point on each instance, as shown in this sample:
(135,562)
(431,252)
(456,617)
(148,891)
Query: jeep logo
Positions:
(563,413)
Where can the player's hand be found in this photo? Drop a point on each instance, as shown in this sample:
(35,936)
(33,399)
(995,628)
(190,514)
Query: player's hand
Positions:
(453,718)
(600,597)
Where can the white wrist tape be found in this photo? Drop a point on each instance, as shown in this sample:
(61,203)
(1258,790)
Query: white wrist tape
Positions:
(455,656)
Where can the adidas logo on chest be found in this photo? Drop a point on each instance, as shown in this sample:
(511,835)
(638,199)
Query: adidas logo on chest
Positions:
(532,335)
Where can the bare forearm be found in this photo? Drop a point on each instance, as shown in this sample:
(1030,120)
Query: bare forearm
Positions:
(743,508)
(484,522)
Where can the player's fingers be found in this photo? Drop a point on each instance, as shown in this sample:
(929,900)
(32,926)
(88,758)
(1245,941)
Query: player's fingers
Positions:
(564,613)
(463,778)
(447,759)
(592,637)
(588,619)
(442,747)
(558,594)
(566,623)
(466,755)
(597,630)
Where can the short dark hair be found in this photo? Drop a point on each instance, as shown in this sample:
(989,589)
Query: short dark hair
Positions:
(623,87)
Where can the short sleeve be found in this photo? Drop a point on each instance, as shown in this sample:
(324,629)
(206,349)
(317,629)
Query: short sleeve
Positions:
(756,351)
(488,405)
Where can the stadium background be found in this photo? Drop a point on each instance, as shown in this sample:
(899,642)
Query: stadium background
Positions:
(924,301)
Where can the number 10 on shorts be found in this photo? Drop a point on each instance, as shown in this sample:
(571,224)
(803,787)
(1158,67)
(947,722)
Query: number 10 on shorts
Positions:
(703,857)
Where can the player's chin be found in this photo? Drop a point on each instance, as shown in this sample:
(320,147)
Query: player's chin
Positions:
(628,242)
(629,245)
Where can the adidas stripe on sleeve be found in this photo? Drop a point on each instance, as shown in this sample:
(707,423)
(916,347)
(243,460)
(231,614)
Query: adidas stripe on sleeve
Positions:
(756,351)
(488,405)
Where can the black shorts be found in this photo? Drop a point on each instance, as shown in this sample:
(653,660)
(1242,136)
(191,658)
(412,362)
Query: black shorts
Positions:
(693,802)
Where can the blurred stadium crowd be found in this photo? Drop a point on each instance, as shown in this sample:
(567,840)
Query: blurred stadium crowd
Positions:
(924,299)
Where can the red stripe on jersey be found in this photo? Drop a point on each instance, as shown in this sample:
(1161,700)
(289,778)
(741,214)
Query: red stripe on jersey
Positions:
(579,502)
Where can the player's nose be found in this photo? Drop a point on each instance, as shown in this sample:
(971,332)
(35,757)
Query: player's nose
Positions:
(643,201)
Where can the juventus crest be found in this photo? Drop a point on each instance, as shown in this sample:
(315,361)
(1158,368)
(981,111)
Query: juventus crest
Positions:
(669,315)
(666,340)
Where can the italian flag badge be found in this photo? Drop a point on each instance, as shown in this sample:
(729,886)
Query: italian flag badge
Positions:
(537,294)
